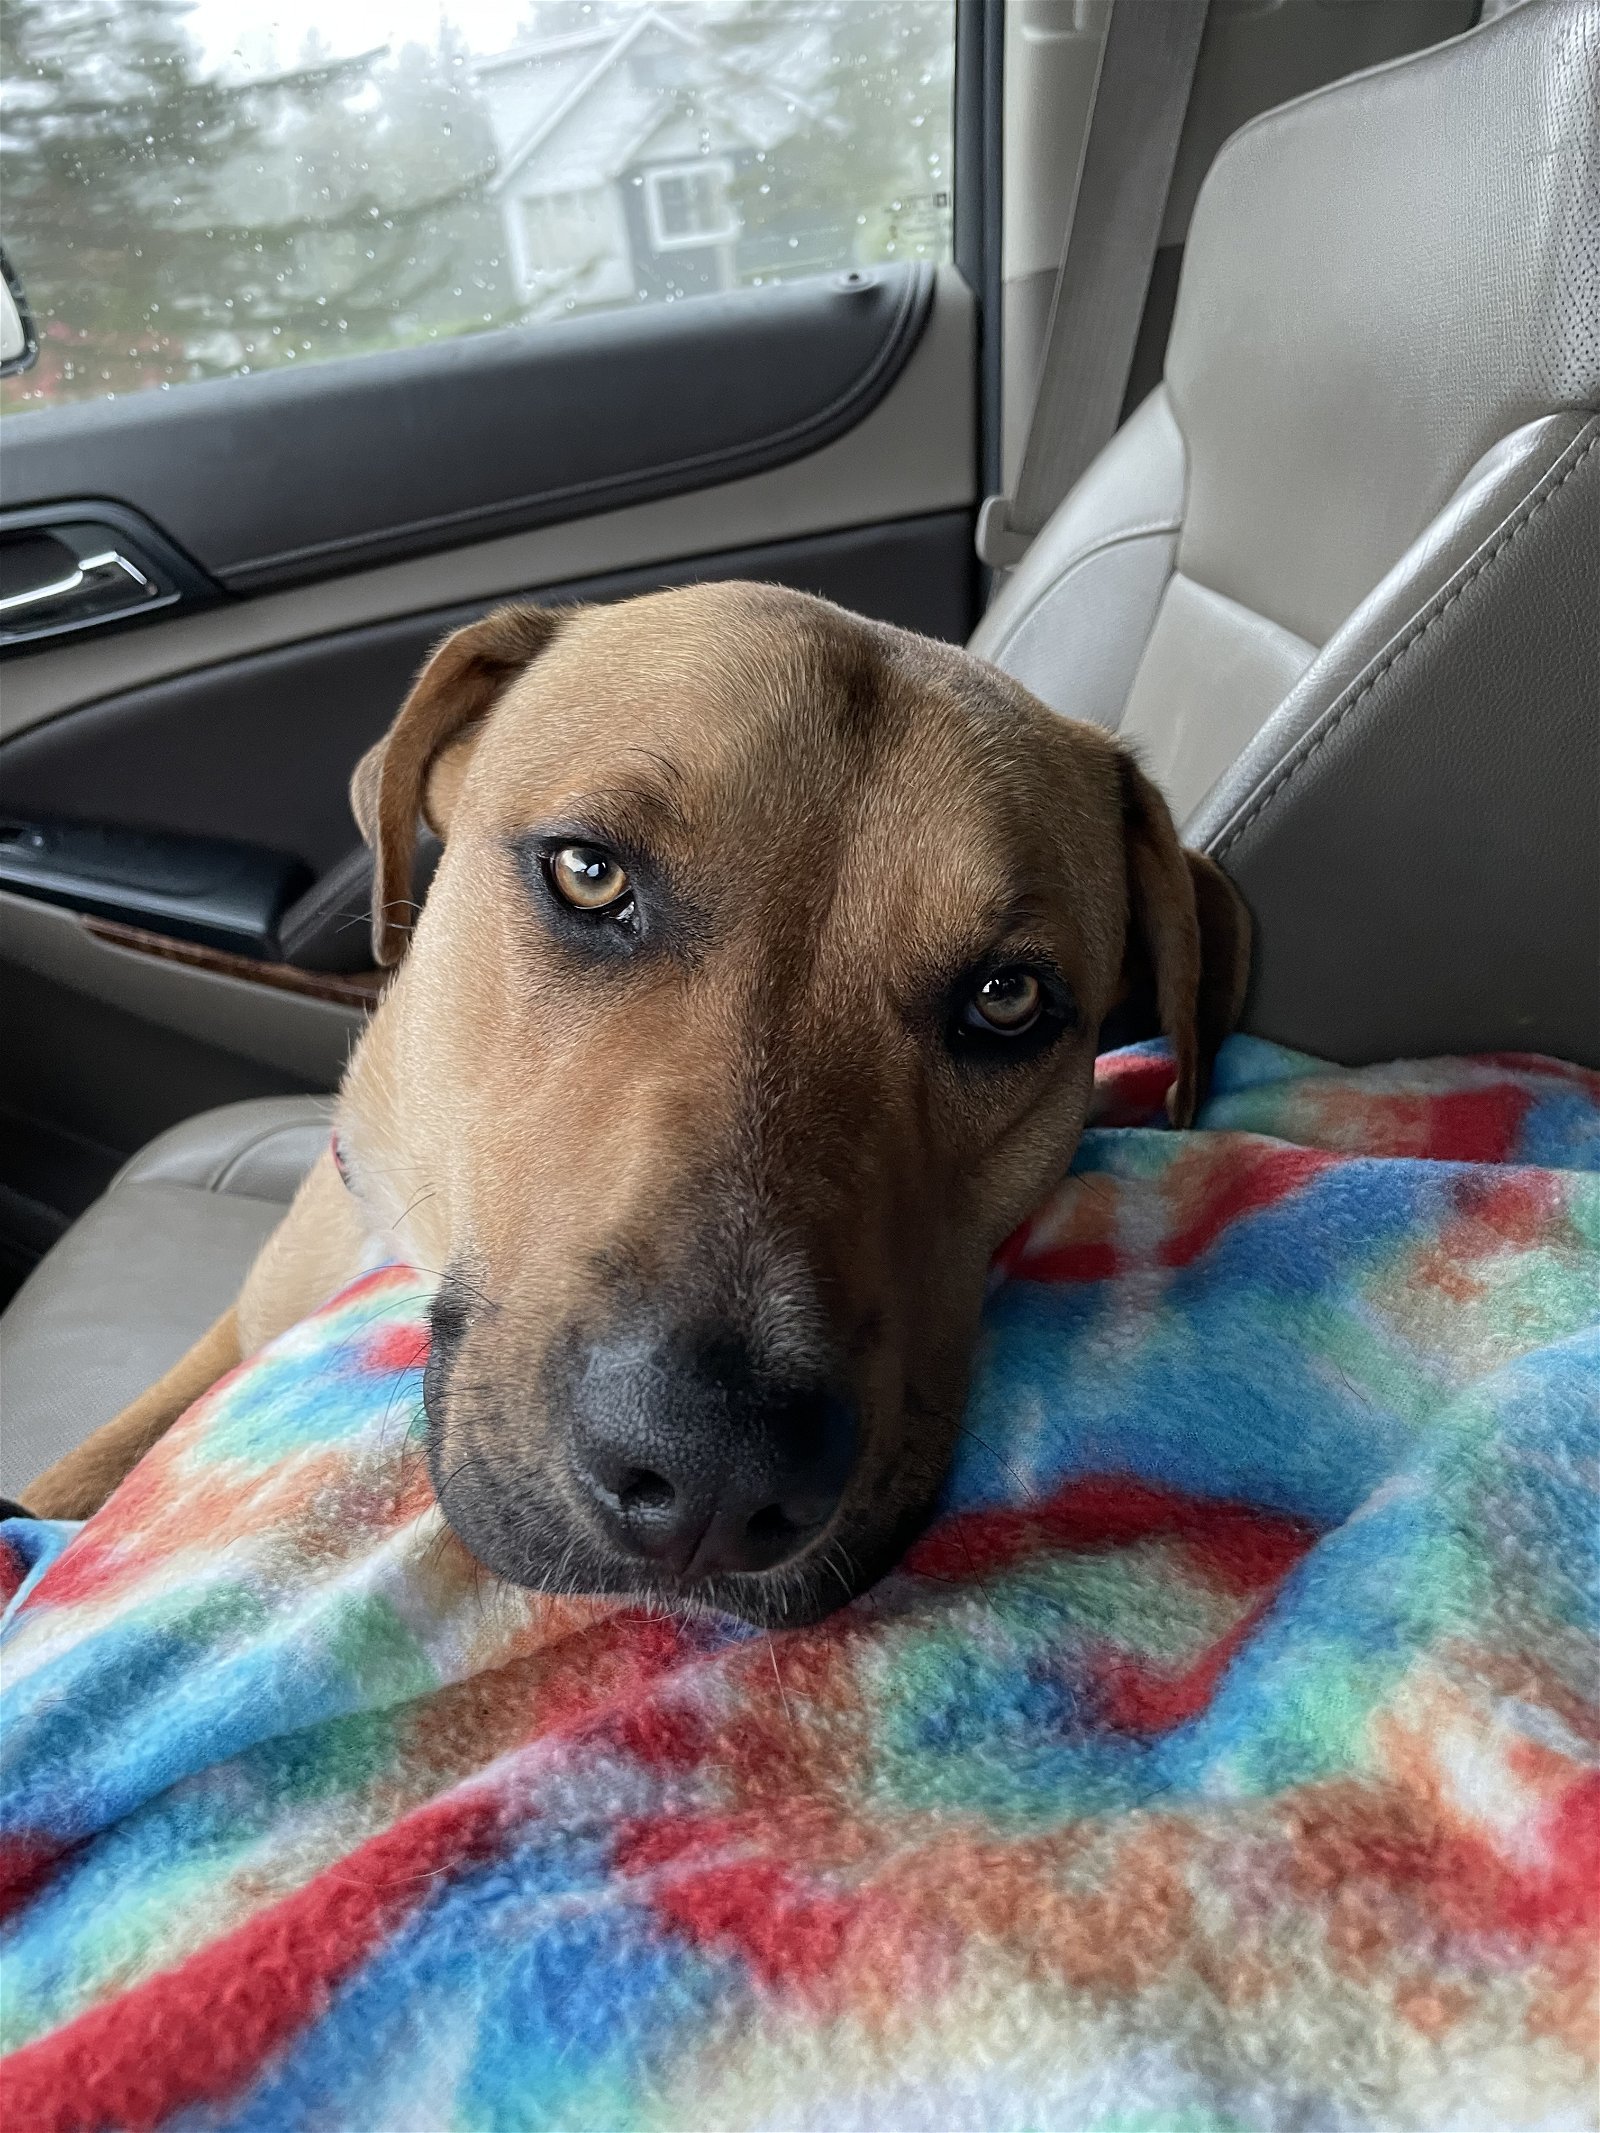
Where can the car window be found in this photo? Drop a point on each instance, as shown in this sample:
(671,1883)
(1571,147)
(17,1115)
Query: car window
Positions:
(211,188)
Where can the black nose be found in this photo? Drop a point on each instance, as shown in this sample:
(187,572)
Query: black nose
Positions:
(695,1459)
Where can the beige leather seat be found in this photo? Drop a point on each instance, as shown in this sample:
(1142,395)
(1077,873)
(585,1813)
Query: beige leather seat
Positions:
(1338,578)
(144,1272)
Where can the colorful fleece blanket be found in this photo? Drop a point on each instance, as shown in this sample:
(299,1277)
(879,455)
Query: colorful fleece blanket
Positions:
(1224,1757)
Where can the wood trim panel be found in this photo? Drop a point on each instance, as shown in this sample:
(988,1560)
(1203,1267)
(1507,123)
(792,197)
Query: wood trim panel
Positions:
(361,989)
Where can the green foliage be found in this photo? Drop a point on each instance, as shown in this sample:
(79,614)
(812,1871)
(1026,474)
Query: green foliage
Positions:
(108,140)
(167,224)
(869,160)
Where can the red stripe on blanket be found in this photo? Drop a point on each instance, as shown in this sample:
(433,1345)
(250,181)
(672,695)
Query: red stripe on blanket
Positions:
(1566,1900)
(607,1692)
(395,1348)
(1515,1207)
(1136,1700)
(97,1556)
(1250,1180)
(1238,1546)
(200,2032)
(788,1934)
(649,1841)
(1348,1843)
(1471,1889)
(24,1863)
(1085,1259)
(1476,1125)
(1131,1091)
(14,1568)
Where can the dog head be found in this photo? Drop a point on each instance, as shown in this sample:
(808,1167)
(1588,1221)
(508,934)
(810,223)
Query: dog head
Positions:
(754,1003)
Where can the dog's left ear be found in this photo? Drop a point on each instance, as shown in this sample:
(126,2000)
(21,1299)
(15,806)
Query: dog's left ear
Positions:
(1188,925)
(414,773)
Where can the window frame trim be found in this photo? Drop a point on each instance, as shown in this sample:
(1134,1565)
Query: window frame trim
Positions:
(698,241)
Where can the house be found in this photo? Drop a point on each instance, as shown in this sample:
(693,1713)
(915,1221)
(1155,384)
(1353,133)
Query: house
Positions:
(623,152)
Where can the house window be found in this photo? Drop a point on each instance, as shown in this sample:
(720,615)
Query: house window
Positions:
(688,204)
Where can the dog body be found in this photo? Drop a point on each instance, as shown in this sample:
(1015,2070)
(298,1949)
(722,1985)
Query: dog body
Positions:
(755,1001)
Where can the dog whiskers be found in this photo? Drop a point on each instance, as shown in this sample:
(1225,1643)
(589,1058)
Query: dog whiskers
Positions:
(979,1585)
(388,1417)
(1024,1491)
(410,1444)
(428,1192)
(457,1281)
(440,1493)
(849,1571)
(783,1694)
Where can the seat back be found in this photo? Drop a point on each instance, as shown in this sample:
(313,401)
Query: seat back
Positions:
(1338,579)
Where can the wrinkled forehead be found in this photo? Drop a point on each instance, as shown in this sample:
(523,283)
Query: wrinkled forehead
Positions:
(809,746)
(722,683)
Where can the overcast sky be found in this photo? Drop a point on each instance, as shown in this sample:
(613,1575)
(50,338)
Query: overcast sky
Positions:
(255,35)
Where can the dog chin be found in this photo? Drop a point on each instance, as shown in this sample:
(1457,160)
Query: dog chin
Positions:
(788,1597)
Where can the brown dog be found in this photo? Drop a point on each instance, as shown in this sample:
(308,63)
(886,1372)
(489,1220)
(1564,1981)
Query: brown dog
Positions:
(754,1003)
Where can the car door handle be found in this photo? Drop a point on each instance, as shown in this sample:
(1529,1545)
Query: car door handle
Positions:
(89,564)
(95,575)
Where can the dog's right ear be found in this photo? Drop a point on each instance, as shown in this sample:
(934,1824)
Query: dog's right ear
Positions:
(1188,933)
(414,773)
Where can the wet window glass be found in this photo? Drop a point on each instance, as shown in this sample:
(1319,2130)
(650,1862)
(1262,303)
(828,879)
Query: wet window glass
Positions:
(211,188)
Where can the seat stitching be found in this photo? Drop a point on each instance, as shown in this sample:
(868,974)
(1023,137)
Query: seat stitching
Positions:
(1309,744)
(1074,563)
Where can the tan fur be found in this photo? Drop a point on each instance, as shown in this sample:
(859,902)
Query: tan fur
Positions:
(843,816)
(314,1251)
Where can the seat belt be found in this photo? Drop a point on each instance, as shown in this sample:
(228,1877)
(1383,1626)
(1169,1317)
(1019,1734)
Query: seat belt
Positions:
(1141,96)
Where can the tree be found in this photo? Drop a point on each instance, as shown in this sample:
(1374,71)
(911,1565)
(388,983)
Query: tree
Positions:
(862,173)
(105,130)
(167,223)
(433,145)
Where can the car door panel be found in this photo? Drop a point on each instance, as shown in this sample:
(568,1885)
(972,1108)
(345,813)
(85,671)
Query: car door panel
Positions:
(86,1081)
(911,456)
(294,474)
(302,1039)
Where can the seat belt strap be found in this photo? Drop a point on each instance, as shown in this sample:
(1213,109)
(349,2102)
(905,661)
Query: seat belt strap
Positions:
(1141,95)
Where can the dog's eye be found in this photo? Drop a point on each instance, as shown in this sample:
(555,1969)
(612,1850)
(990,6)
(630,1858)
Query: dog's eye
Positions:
(1007,1016)
(588,878)
(1005,1005)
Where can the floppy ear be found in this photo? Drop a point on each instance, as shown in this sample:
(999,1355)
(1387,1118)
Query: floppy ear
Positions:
(415,772)
(1188,927)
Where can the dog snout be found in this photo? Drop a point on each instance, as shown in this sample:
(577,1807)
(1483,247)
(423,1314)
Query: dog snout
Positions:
(695,1459)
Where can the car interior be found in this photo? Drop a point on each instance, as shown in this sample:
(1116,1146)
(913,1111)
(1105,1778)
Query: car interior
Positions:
(678,1592)
(1332,564)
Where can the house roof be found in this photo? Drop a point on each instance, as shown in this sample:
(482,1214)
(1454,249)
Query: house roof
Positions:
(541,50)
(752,102)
